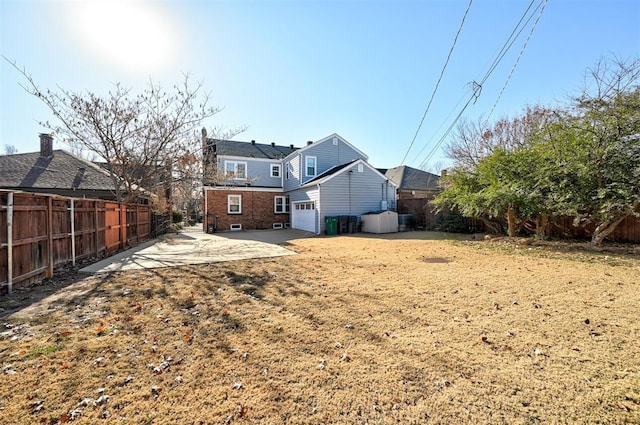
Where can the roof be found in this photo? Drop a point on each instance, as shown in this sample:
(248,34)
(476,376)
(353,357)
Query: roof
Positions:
(408,178)
(339,169)
(62,170)
(249,149)
(330,171)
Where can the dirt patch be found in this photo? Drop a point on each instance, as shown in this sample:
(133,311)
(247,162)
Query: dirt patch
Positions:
(357,329)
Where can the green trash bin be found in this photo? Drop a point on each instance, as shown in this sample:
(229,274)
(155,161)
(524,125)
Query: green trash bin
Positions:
(331,225)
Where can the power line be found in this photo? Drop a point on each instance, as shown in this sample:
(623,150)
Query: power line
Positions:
(524,46)
(455,40)
(477,87)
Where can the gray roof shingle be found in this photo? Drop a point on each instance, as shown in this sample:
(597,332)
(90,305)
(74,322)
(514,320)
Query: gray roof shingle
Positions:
(407,178)
(249,149)
(62,170)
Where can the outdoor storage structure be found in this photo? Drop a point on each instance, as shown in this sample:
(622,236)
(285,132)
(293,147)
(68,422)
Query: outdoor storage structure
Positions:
(380,222)
(331,225)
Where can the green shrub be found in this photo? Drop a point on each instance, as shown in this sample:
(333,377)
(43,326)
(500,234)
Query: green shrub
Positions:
(177,216)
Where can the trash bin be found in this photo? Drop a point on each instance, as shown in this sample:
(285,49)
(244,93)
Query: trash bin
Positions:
(352,224)
(331,225)
(343,224)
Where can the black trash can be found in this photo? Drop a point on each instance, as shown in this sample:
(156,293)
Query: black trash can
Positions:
(352,223)
(343,224)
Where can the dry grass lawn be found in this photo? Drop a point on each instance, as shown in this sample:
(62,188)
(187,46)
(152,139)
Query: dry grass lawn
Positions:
(361,329)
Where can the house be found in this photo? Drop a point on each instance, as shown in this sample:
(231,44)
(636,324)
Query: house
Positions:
(55,172)
(249,185)
(415,189)
(413,183)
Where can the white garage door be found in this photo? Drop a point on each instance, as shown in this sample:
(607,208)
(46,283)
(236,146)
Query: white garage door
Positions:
(303,216)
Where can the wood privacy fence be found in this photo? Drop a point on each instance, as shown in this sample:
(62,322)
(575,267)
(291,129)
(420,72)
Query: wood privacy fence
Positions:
(559,227)
(40,232)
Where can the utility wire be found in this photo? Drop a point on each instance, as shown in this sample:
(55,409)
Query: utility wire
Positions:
(524,46)
(477,87)
(455,40)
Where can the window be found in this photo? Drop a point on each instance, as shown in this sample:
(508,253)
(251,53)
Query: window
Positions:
(360,168)
(310,166)
(281,204)
(287,170)
(235,170)
(275,170)
(234,204)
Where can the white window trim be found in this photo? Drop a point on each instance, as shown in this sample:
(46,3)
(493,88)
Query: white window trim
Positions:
(271,166)
(315,166)
(285,205)
(229,204)
(235,168)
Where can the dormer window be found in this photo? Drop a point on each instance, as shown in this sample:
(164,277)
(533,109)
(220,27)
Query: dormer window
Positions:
(310,166)
(235,170)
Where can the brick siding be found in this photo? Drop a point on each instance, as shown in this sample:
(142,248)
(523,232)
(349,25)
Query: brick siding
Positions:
(257,210)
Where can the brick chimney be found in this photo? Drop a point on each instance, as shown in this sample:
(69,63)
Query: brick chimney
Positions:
(46,145)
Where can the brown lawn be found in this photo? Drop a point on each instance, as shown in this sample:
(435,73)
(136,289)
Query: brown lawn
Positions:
(406,328)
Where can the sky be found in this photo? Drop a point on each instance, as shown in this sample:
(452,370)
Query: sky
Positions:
(293,71)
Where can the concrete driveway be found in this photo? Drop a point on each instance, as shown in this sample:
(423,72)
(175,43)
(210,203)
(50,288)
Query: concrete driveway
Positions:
(193,246)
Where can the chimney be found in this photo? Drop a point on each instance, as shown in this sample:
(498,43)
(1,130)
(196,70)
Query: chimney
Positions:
(253,142)
(291,146)
(309,142)
(46,145)
(273,144)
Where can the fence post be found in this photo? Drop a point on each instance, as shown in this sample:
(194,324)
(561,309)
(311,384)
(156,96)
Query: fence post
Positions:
(49,271)
(123,224)
(10,243)
(73,233)
(95,226)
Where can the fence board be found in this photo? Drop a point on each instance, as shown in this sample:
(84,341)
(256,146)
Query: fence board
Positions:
(42,232)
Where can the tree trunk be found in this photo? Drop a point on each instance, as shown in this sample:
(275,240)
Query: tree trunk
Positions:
(512,222)
(542,222)
(605,229)
(491,227)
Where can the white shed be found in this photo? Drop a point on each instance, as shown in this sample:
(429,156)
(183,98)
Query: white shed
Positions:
(382,222)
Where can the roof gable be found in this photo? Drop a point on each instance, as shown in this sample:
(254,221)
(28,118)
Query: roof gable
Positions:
(330,138)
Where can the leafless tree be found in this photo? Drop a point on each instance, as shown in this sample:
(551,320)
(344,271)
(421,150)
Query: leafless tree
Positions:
(10,149)
(146,140)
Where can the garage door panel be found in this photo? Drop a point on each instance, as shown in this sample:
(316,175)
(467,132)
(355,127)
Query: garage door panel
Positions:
(303,216)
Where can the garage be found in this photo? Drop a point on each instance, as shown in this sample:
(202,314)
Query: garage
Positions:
(303,216)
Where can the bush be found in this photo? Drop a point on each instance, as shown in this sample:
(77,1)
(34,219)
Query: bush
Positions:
(177,216)
(450,221)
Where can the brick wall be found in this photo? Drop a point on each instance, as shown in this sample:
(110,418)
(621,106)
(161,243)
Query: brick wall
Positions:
(257,210)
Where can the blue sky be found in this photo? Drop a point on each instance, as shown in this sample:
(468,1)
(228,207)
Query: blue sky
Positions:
(293,71)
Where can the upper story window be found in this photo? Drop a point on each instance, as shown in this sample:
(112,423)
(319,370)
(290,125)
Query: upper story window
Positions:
(360,168)
(275,170)
(235,170)
(310,166)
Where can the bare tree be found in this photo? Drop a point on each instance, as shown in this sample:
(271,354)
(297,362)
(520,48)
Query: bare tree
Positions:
(10,149)
(476,140)
(142,138)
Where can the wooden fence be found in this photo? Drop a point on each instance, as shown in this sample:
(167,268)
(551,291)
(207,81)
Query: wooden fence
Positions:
(41,232)
(559,227)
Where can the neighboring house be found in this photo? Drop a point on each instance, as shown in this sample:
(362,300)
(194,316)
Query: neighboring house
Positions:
(413,183)
(259,186)
(415,189)
(55,172)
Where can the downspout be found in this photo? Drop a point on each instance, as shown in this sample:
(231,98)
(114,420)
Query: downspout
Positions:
(319,226)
